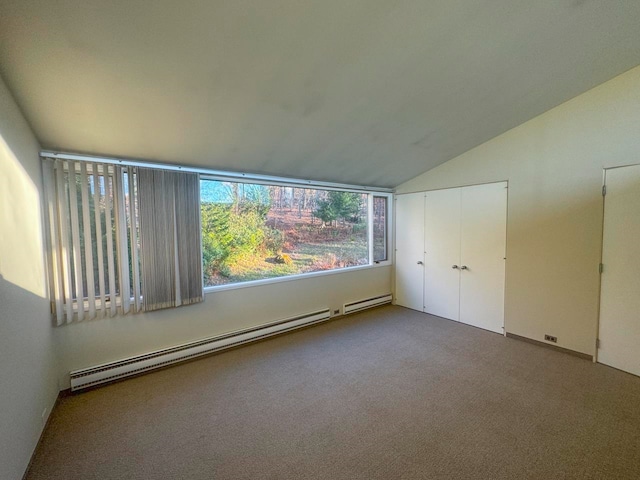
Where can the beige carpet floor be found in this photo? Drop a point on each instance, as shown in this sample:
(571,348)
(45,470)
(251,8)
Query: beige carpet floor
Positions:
(386,394)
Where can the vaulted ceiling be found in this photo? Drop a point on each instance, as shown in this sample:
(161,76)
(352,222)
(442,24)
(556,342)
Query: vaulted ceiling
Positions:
(371,92)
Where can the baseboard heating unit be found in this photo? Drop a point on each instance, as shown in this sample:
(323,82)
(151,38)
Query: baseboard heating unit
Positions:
(109,372)
(367,303)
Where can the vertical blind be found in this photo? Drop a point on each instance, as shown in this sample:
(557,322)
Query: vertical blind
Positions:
(170,238)
(95,248)
(92,225)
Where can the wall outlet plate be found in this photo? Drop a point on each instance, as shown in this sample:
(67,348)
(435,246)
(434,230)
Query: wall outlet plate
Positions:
(551,338)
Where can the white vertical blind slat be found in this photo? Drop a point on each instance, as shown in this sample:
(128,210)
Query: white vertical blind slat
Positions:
(133,228)
(65,244)
(57,289)
(75,235)
(88,243)
(97,204)
(109,191)
(121,239)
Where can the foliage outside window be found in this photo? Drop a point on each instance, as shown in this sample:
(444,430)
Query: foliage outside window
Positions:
(254,232)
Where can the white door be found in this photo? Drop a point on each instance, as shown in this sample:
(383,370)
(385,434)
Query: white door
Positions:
(620,293)
(442,253)
(483,223)
(410,250)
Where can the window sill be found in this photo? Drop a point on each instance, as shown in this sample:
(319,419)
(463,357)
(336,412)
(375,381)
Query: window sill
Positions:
(288,278)
(234,286)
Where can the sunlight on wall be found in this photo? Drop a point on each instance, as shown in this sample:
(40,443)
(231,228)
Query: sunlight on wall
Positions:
(20,220)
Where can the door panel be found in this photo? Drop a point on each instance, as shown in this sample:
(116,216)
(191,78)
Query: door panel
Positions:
(482,250)
(410,250)
(442,252)
(620,294)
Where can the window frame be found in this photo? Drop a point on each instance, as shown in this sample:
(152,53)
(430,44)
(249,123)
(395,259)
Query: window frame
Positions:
(388,228)
(259,179)
(301,276)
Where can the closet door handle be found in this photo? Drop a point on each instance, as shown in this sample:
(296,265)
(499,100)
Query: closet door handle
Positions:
(420,263)
(464,267)
(455,267)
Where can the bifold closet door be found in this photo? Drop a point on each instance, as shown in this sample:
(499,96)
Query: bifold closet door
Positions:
(620,292)
(483,223)
(410,250)
(442,253)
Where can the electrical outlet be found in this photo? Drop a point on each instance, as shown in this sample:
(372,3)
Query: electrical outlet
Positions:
(550,338)
(336,312)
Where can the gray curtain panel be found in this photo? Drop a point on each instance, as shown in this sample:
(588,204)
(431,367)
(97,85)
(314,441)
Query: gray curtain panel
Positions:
(170,249)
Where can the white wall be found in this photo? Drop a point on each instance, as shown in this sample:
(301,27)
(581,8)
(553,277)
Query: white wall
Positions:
(554,165)
(102,340)
(28,383)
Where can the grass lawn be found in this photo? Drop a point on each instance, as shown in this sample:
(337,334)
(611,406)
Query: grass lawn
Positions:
(306,257)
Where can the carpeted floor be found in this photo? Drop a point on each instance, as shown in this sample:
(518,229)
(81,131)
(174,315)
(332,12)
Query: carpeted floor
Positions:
(386,394)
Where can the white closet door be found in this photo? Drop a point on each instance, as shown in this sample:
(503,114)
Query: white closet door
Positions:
(410,250)
(620,294)
(442,253)
(482,255)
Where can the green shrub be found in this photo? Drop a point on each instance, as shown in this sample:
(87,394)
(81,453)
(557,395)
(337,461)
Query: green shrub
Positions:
(273,240)
(231,233)
(339,206)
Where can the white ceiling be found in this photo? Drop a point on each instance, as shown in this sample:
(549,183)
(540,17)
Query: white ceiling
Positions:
(371,92)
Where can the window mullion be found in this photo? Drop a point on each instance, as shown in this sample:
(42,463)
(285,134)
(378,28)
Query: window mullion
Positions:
(370,218)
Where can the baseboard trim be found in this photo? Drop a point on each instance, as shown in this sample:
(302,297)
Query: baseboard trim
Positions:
(85,378)
(584,356)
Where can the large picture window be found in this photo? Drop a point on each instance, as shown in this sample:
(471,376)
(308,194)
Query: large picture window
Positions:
(254,232)
(126,237)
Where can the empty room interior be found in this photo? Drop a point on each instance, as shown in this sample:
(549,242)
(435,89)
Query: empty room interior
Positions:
(319,239)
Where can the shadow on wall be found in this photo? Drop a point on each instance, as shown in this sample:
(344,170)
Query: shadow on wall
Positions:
(27,375)
(28,382)
(19,307)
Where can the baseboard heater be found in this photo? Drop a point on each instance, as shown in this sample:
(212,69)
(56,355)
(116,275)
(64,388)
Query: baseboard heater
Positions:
(367,303)
(109,372)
